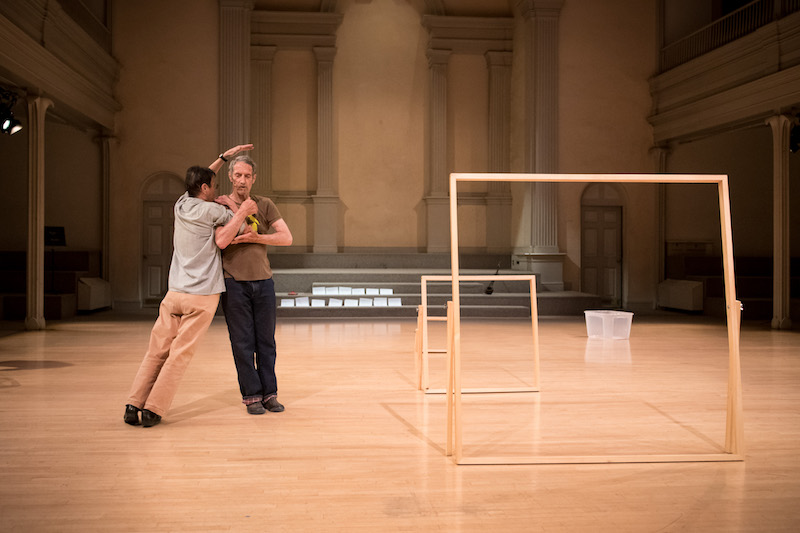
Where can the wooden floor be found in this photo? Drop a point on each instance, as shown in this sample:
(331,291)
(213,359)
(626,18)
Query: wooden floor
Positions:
(360,449)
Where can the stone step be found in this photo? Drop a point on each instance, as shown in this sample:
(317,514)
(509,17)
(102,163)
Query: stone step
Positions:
(433,287)
(496,299)
(303,280)
(405,311)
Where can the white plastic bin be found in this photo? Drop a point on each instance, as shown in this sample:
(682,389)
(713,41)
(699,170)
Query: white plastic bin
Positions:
(608,324)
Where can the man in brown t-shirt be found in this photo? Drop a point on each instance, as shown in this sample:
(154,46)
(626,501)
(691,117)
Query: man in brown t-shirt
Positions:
(249,299)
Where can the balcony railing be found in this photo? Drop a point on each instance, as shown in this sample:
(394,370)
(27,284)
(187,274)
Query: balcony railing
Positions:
(726,29)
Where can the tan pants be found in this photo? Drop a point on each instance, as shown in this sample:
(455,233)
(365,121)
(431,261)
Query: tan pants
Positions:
(182,321)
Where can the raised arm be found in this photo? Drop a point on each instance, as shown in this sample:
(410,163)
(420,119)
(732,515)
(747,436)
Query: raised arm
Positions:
(224,235)
(227,155)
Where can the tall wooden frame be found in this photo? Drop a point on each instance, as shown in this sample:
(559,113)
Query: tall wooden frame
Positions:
(734,430)
(422,349)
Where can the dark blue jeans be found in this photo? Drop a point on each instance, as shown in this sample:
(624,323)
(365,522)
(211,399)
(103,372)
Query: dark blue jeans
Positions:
(250,309)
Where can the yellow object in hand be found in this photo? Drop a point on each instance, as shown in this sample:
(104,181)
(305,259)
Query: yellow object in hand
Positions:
(253,222)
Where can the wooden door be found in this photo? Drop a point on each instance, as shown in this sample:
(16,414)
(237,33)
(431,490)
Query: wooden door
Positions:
(601,252)
(156,250)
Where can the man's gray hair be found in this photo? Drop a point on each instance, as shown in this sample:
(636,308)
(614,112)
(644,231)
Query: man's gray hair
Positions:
(241,159)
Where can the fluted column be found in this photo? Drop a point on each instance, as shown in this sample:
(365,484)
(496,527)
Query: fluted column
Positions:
(541,117)
(261,126)
(34,316)
(234,75)
(540,19)
(437,204)
(498,201)
(781,126)
(326,201)
(324,57)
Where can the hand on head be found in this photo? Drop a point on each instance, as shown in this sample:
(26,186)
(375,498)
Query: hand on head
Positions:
(231,152)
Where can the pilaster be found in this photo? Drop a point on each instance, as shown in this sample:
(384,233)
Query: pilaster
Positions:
(261,61)
(326,201)
(660,155)
(234,75)
(437,206)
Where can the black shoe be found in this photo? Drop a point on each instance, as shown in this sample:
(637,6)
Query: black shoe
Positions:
(272,405)
(149,418)
(131,415)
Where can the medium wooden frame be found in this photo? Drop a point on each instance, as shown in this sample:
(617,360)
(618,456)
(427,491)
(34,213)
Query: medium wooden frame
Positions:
(422,349)
(734,430)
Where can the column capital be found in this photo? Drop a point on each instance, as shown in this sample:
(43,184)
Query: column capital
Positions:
(438,57)
(776,121)
(262,53)
(324,53)
(536,8)
(498,58)
(243,4)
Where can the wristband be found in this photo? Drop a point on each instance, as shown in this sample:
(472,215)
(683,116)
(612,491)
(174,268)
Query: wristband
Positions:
(222,156)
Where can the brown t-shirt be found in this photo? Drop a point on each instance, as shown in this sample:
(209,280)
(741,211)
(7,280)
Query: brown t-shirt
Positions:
(248,261)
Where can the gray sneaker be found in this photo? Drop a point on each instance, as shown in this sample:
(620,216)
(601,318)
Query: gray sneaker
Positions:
(256,409)
(272,405)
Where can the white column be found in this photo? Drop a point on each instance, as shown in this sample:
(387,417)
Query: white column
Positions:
(234,75)
(34,317)
(541,19)
(781,127)
(498,201)
(437,204)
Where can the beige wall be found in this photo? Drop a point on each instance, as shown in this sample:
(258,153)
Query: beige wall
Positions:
(607,54)
(694,216)
(380,93)
(168,89)
(73,186)
(169,54)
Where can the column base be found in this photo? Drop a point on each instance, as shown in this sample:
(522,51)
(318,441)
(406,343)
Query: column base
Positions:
(437,211)
(781,323)
(548,268)
(34,323)
(326,224)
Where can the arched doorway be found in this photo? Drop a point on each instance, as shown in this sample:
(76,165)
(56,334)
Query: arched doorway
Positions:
(159,194)
(601,242)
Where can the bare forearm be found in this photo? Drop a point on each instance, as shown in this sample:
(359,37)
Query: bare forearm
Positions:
(228,155)
(225,234)
(276,239)
(281,237)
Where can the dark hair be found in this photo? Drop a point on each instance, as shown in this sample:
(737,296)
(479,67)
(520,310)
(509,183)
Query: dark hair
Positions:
(195,178)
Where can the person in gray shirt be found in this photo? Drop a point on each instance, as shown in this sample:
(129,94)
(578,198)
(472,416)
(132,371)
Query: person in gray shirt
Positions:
(202,228)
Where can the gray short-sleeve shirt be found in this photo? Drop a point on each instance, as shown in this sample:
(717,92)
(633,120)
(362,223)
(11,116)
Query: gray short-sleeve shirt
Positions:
(196,266)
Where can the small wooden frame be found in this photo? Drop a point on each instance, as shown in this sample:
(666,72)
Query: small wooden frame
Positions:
(422,350)
(734,430)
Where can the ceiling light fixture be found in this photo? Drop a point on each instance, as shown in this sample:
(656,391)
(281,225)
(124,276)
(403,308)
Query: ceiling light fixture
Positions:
(8,124)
